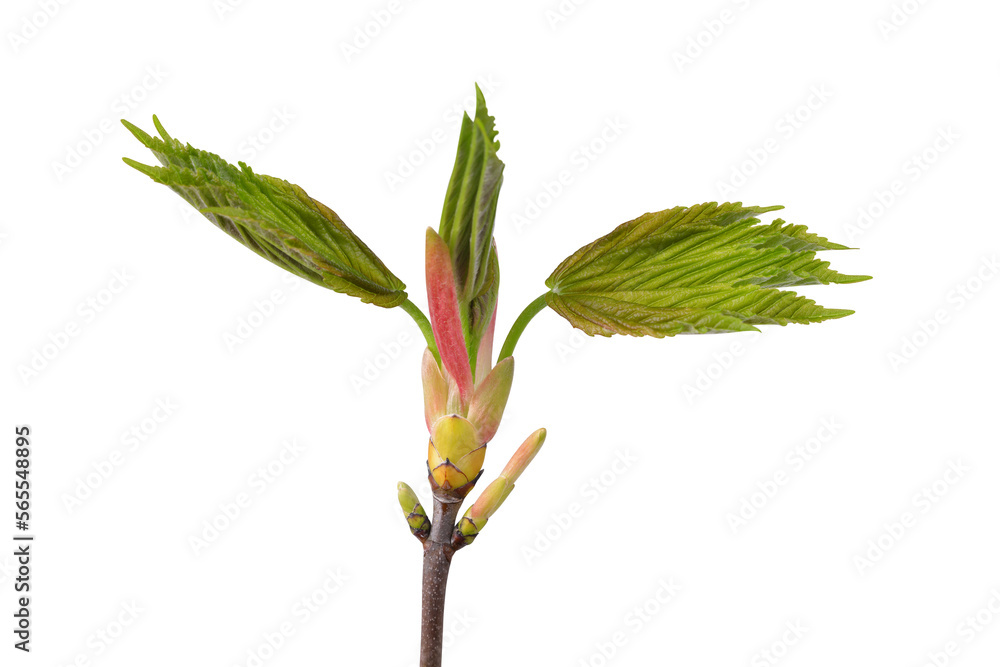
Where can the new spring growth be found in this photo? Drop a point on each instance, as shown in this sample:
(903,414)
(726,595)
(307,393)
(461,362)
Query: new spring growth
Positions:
(706,268)
(496,493)
(462,415)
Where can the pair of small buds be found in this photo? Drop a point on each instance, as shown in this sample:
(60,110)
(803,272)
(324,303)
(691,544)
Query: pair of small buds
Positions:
(486,505)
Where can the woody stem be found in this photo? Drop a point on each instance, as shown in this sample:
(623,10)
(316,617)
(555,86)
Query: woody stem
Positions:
(438,551)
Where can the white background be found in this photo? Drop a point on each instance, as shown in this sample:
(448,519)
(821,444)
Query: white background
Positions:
(705,425)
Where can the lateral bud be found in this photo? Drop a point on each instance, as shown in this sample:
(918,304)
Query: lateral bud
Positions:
(416,517)
(496,493)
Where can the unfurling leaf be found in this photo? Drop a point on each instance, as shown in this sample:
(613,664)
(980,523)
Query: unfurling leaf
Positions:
(272,217)
(484,359)
(470,204)
(478,315)
(467,221)
(705,269)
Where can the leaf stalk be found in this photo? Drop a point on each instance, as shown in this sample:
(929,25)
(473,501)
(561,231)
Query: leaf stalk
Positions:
(425,326)
(519,325)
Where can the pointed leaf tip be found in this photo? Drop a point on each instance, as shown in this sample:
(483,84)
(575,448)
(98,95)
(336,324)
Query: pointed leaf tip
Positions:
(138,133)
(160,129)
(485,120)
(139,166)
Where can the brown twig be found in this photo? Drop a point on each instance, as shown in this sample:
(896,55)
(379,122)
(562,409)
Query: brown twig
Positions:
(438,550)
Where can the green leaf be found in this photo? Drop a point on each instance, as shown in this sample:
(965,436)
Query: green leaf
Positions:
(477,313)
(470,204)
(706,269)
(272,217)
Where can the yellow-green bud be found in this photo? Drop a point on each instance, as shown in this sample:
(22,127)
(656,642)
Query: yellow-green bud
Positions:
(455,455)
(416,517)
(497,492)
(490,500)
(485,506)
(467,531)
